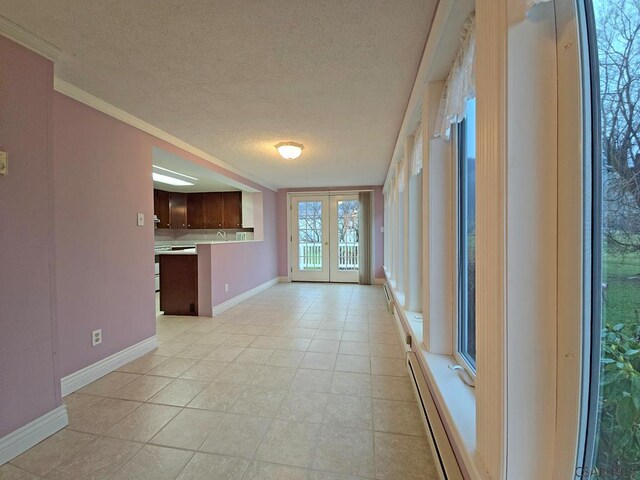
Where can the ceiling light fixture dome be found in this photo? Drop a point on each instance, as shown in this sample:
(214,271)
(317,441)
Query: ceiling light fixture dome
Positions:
(289,150)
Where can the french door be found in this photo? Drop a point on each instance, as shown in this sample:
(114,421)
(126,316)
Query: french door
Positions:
(325,238)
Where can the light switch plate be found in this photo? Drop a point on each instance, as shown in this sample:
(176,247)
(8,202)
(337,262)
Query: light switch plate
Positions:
(4,163)
(141,219)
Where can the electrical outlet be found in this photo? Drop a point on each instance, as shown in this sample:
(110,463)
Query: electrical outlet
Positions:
(226,287)
(96,337)
(4,163)
(141,219)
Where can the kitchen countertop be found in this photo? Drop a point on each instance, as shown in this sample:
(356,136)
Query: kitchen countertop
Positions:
(191,250)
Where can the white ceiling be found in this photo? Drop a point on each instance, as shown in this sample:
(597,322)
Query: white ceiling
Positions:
(235,77)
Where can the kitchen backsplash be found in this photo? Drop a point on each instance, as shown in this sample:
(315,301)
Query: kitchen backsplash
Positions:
(169,235)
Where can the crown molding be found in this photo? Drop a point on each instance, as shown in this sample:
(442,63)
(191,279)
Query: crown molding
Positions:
(92,101)
(29,40)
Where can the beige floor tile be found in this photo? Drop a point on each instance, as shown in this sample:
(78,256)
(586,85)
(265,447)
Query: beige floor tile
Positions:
(303,407)
(142,364)
(388,338)
(11,472)
(213,338)
(392,388)
(354,348)
(389,366)
(209,467)
(154,463)
(141,389)
(357,384)
(97,461)
(275,377)
(317,475)
(268,342)
(252,330)
(169,349)
(195,352)
(271,471)
(173,367)
(305,333)
(241,374)
(179,392)
(403,457)
(345,450)
(109,383)
(224,353)
(205,370)
(143,423)
(259,401)
(324,346)
(312,380)
(362,337)
(217,396)
(297,344)
(353,364)
(356,327)
(254,355)
(228,328)
(103,415)
(237,435)
(239,340)
(348,411)
(76,403)
(289,443)
(285,358)
(189,429)
(318,361)
(386,350)
(48,454)
(397,417)
(328,334)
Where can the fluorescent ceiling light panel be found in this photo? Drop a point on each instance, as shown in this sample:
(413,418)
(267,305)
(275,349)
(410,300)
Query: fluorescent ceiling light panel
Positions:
(175,173)
(158,177)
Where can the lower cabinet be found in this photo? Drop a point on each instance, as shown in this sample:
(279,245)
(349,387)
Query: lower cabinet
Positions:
(179,284)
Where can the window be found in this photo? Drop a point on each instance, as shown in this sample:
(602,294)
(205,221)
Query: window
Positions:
(612,432)
(467,235)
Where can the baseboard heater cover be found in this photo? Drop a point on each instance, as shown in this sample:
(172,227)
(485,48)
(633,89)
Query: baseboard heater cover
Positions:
(388,296)
(443,455)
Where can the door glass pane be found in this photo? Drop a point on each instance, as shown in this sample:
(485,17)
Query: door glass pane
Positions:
(310,236)
(348,254)
(616,276)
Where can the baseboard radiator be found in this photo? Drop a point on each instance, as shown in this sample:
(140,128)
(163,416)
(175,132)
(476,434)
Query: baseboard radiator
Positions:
(443,455)
(388,296)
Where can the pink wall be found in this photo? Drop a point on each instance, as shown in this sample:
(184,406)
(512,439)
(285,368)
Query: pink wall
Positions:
(282,225)
(104,261)
(29,385)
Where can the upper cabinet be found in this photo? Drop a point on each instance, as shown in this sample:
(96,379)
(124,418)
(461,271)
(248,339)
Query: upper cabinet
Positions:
(213,210)
(232,209)
(178,209)
(161,208)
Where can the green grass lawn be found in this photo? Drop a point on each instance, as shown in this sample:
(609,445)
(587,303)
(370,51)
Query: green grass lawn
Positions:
(622,298)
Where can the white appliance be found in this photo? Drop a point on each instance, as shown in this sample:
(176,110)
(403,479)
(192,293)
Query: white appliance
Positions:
(241,236)
(157,277)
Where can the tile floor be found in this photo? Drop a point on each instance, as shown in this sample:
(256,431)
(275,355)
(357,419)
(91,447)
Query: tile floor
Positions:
(303,381)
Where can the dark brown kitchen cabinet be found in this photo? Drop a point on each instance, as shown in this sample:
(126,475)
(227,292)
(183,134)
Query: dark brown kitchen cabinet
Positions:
(213,210)
(161,208)
(178,209)
(232,217)
(195,210)
(179,284)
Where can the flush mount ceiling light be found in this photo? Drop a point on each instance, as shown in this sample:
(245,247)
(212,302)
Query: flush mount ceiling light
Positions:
(289,150)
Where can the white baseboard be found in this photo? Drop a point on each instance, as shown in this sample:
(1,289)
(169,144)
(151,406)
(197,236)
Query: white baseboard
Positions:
(83,377)
(34,432)
(232,302)
(379,281)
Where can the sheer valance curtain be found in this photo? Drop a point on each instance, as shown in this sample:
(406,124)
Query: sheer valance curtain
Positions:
(416,152)
(460,85)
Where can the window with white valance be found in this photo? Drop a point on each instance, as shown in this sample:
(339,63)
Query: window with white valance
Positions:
(402,175)
(416,152)
(460,85)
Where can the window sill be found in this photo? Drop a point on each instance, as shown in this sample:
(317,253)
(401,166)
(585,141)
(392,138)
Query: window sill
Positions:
(456,401)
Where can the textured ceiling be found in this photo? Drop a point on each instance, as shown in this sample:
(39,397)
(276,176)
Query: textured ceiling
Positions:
(235,77)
